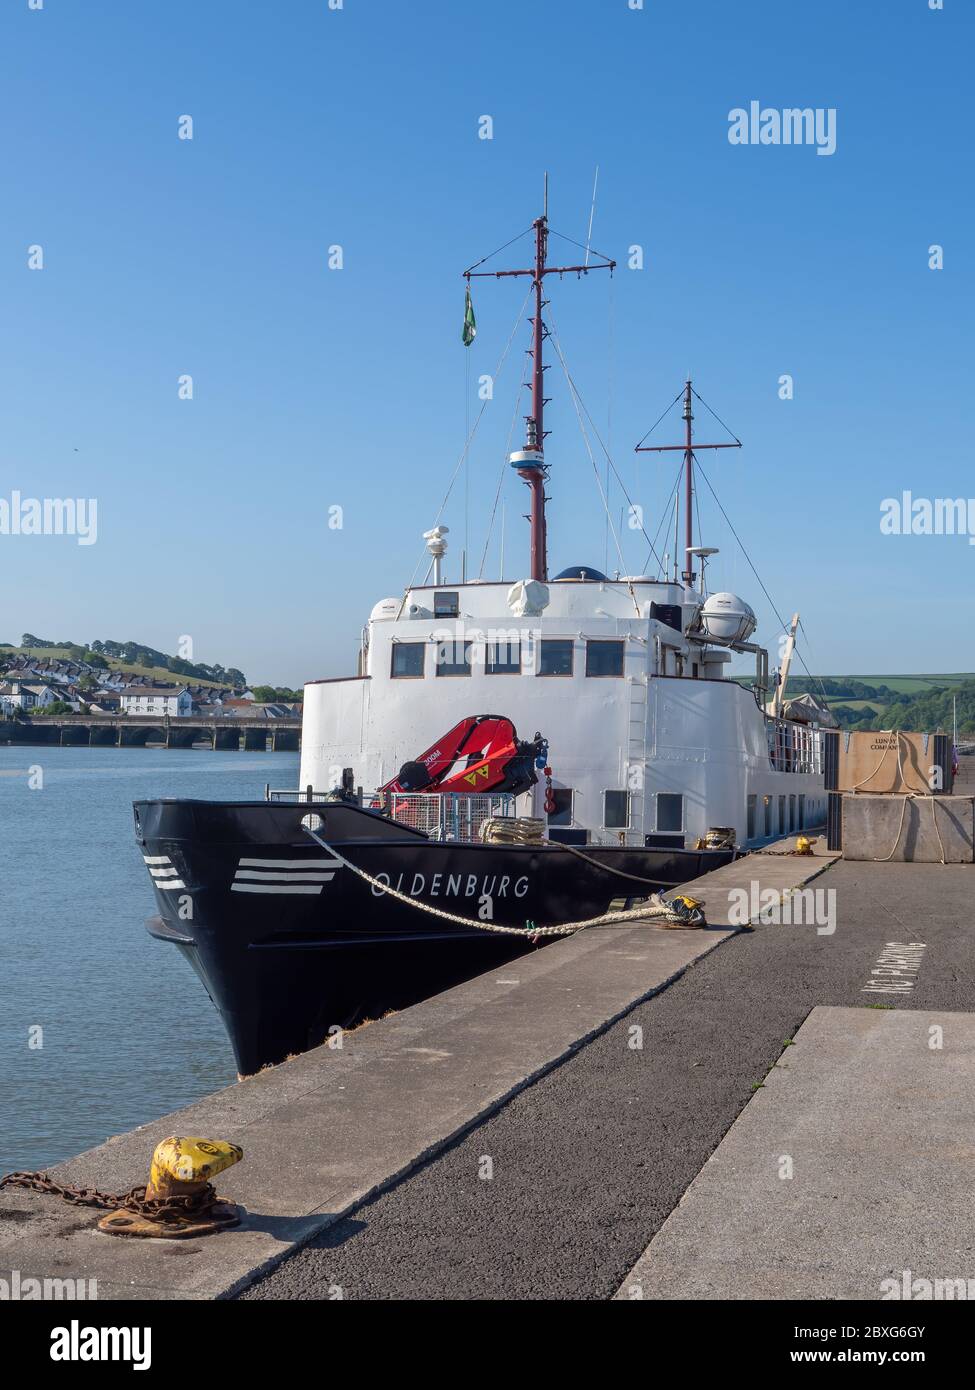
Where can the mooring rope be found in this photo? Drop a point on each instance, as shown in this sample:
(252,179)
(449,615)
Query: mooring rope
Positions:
(655,909)
(915,796)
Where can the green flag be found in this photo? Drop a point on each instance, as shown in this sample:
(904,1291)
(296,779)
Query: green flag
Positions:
(470,323)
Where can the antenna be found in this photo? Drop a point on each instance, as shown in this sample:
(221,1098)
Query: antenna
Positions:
(688,447)
(529,462)
(592,212)
(704,553)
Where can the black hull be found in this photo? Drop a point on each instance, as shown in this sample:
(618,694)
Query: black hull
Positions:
(289,944)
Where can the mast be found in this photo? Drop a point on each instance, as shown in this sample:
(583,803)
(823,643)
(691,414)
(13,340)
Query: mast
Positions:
(532,458)
(688,447)
(529,462)
(688,576)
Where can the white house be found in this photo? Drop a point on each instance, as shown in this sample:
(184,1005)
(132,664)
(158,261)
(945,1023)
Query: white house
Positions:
(163,700)
(21,695)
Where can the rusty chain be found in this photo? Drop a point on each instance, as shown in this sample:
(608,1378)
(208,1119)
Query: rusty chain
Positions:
(135,1200)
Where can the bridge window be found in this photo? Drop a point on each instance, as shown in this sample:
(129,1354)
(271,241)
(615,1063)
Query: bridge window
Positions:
(502,659)
(562,815)
(768,815)
(454,658)
(782,829)
(604,658)
(446,605)
(750,832)
(670,813)
(616,810)
(555,656)
(408,660)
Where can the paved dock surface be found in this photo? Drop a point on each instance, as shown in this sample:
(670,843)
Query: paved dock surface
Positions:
(323,1131)
(589,1162)
(852,1165)
(528,1133)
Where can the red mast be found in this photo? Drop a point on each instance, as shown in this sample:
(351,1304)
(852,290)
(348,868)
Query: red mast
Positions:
(529,462)
(688,447)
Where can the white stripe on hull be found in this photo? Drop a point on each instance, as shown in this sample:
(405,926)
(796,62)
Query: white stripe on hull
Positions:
(269,876)
(274,888)
(289,863)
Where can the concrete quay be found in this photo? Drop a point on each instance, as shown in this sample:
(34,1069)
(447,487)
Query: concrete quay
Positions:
(848,1173)
(362,1165)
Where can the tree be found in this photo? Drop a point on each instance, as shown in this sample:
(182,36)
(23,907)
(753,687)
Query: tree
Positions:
(270,694)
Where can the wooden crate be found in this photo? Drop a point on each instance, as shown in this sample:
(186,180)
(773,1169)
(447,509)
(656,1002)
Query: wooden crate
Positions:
(890,763)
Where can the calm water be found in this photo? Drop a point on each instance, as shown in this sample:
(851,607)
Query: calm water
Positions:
(128,1030)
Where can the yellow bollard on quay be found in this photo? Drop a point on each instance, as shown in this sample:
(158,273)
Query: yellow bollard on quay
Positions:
(179,1199)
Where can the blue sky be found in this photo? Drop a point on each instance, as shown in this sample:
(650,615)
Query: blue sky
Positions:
(316,388)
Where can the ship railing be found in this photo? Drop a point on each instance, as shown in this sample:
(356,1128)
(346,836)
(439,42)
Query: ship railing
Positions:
(443,815)
(440,815)
(295,794)
(794,747)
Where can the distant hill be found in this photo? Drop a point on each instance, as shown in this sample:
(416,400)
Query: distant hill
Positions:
(130,656)
(921,703)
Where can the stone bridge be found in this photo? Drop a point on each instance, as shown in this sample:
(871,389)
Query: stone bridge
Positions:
(137,730)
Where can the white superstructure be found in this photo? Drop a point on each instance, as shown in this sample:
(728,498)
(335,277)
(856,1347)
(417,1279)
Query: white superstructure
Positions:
(649,740)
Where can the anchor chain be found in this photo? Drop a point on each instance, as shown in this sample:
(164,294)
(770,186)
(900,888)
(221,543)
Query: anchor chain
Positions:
(135,1200)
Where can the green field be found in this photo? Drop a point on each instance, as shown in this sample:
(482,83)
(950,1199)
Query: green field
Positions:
(907,685)
(929,701)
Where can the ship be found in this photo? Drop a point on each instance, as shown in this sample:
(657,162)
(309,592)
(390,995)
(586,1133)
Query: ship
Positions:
(429,839)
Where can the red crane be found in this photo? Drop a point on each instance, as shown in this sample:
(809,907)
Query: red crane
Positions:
(480,754)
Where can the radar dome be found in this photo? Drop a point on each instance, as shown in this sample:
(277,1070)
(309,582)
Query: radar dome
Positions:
(728,618)
(385,609)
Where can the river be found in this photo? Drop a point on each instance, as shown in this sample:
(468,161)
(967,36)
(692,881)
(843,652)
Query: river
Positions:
(101,1027)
